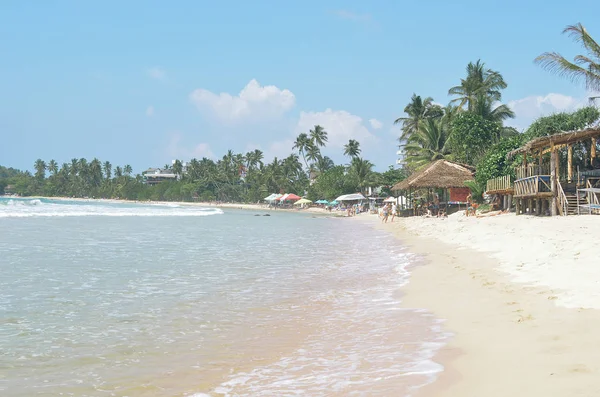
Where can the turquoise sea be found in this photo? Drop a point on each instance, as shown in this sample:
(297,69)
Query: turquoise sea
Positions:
(114,299)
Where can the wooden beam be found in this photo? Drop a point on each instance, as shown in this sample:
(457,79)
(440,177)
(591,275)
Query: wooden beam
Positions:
(570,163)
(553,187)
(593,151)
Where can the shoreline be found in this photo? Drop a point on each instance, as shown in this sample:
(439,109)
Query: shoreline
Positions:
(236,206)
(510,337)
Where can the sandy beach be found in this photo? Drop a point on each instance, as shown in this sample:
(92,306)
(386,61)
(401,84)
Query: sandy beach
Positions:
(520,296)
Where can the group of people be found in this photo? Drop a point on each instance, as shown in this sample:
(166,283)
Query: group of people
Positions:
(386,211)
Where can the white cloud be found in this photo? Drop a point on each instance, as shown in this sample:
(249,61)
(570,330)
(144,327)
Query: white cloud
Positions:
(375,124)
(339,124)
(253,103)
(156,73)
(177,150)
(150,111)
(530,108)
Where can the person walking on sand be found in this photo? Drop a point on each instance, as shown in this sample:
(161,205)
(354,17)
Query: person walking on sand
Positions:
(386,213)
(394,209)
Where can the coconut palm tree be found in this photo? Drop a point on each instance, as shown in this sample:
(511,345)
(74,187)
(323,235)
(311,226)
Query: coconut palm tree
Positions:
(313,153)
(484,107)
(479,81)
(352,148)
(301,144)
(583,67)
(127,170)
(107,169)
(53,167)
(40,169)
(324,164)
(318,136)
(361,171)
(417,110)
(428,145)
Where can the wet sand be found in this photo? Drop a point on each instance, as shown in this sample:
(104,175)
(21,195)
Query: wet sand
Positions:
(510,338)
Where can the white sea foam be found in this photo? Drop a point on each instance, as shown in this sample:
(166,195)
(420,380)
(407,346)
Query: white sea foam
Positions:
(24,208)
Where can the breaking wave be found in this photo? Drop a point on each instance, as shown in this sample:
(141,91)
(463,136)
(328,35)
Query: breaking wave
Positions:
(23,208)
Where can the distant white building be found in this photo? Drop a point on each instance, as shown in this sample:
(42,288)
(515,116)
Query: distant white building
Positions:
(153,176)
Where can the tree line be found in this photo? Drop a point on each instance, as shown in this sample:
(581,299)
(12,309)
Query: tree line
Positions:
(235,177)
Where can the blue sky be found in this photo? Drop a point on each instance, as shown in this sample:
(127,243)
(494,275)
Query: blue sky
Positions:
(144,82)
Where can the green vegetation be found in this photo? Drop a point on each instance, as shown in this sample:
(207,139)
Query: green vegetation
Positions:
(463,130)
(235,177)
(471,130)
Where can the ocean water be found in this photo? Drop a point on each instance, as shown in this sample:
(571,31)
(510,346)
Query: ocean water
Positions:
(111,299)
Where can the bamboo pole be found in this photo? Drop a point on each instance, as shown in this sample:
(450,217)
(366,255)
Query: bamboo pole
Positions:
(593,151)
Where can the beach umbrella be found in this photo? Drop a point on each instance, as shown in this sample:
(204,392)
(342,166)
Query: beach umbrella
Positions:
(302,201)
(350,197)
(390,199)
(334,202)
(290,197)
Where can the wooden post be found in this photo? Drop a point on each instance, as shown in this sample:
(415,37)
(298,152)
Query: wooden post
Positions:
(593,151)
(538,207)
(509,204)
(570,163)
(553,186)
(518,207)
(541,163)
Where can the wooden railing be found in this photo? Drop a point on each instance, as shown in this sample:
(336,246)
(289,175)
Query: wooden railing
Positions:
(562,202)
(501,183)
(530,170)
(532,185)
(592,197)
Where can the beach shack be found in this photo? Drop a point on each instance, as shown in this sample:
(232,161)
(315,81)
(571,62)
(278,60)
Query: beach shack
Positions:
(549,181)
(445,175)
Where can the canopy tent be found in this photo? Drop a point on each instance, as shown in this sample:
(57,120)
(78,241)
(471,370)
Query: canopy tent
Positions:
(390,199)
(441,174)
(334,202)
(351,197)
(321,202)
(272,197)
(302,201)
(289,197)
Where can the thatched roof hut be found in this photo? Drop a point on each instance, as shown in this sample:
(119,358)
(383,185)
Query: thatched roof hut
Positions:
(560,139)
(441,174)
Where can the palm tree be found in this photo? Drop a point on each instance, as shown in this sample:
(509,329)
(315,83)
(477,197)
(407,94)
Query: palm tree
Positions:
(428,145)
(586,67)
(324,164)
(417,110)
(107,169)
(352,148)
(40,169)
(118,172)
(318,136)
(484,107)
(53,167)
(178,168)
(479,81)
(127,170)
(313,153)
(361,171)
(301,144)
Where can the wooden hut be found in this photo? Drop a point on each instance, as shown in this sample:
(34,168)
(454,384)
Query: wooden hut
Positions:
(441,174)
(540,187)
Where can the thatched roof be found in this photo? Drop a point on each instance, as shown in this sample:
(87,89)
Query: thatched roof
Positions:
(441,174)
(563,138)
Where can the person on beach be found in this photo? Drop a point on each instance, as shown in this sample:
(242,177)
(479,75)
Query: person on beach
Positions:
(394,209)
(386,213)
